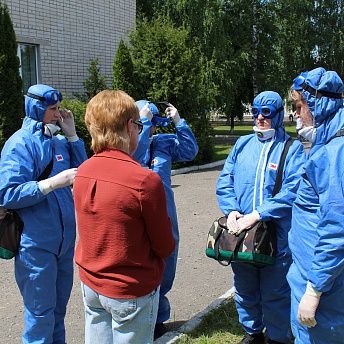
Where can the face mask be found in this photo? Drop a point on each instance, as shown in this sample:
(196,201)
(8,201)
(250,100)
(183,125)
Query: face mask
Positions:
(51,129)
(308,133)
(264,135)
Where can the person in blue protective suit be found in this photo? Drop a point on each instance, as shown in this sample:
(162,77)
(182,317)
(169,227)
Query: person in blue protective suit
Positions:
(316,238)
(44,263)
(244,189)
(158,152)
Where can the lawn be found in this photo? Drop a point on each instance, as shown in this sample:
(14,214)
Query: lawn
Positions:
(247,129)
(218,326)
(222,150)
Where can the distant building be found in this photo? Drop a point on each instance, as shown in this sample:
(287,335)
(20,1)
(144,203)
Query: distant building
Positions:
(57,39)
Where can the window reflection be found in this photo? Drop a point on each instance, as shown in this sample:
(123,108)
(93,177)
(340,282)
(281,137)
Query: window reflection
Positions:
(28,60)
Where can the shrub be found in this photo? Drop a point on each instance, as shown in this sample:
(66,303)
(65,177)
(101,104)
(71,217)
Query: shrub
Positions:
(78,109)
(94,83)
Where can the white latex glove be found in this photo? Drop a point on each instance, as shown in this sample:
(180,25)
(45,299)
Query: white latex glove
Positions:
(248,221)
(232,224)
(66,122)
(172,112)
(308,306)
(62,179)
(145,112)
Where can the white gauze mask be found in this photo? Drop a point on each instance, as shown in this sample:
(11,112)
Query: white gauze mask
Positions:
(308,133)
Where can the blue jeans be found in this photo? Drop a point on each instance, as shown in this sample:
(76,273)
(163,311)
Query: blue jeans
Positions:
(119,321)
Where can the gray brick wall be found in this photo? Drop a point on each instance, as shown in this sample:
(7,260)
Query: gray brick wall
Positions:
(69,33)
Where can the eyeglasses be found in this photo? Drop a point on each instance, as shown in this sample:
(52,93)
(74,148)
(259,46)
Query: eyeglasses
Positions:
(139,125)
(50,97)
(268,111)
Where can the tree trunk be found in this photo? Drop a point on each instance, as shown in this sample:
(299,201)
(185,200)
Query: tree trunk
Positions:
(255,48)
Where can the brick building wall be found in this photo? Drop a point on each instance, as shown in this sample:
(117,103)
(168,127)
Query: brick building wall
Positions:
(68,33)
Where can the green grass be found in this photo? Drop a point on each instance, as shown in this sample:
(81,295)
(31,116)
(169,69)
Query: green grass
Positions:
(238,130)
(247,129)
(222,151)
(218,326)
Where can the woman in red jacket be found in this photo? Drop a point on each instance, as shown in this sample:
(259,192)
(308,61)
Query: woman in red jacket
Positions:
(124,229)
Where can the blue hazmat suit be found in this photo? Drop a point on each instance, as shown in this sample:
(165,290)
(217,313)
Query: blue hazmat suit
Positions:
(262,294)
(44,263)
(161,152)
(316,238)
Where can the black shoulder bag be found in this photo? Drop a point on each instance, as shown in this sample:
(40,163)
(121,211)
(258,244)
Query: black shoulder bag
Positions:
(11,226)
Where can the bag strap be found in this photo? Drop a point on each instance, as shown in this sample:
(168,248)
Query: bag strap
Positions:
(240,239)
(338,134)
(150,155)
(46,173)
(278,181)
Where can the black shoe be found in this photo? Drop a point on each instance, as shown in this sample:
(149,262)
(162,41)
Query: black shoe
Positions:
(160,329)
(257,338)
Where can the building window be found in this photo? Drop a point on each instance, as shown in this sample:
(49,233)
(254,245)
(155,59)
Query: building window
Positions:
(28,60)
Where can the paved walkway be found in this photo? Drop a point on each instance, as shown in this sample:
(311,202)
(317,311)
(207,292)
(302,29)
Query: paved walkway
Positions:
(199,280)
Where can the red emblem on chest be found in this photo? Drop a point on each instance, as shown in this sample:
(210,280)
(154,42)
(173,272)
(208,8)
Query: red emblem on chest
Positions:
(273,166)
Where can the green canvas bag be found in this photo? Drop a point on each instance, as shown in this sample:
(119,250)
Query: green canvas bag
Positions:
(256,245)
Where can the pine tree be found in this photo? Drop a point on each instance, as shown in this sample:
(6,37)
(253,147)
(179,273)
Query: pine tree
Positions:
(123,71)
(11,84)
(96,81)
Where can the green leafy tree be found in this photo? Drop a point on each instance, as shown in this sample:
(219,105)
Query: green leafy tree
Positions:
(329,45)
(94,83)
(11,84)
(168,67)
(123,71)
(223,68)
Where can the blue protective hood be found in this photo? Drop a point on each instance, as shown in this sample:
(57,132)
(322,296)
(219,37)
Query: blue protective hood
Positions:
(274,99)
(327,112)
(35,108)
(321,80)
(141,103)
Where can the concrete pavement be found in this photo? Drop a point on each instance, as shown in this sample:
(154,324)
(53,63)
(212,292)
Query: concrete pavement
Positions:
(199,282)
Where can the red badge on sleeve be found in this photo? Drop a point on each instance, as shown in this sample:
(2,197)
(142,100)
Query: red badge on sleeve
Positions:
(59,157)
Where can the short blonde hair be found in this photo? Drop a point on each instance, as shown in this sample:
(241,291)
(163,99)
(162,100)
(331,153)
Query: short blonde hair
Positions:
(106,118)
(295,95)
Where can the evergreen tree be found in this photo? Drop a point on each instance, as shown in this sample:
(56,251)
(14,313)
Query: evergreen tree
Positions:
(123,71)
(94,83)
(168,65)
(11,84)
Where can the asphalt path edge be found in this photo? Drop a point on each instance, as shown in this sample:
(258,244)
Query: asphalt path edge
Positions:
(175,336)
(196,168)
